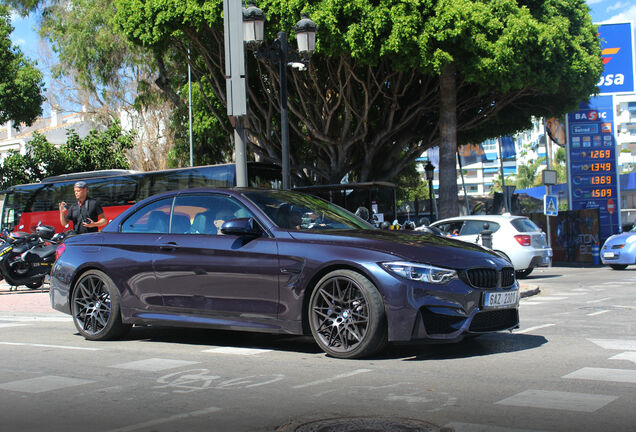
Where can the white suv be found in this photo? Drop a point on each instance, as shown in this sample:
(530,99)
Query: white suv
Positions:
(516,238)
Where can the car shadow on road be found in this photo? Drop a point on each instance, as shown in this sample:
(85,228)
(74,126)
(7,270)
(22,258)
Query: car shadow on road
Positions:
(484,345)
(224,338)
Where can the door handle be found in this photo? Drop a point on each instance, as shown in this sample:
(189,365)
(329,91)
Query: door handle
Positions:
(169,246)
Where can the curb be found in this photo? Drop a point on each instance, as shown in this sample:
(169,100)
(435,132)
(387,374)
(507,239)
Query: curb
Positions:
(529,290)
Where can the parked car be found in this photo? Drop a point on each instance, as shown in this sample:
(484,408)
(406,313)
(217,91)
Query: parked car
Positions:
(516,238)
(619,250)
(280,262)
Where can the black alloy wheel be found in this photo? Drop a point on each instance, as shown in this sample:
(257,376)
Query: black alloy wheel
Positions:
(346,315)
(522,274)
(95,307)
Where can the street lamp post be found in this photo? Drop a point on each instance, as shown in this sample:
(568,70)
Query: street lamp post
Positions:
(279,52)
(430,174)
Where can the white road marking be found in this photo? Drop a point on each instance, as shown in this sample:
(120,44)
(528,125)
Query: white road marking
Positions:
(236,350)
(616,344)
(334,378)
(601,312)
(473,427)
(627,355)
(529,329)
(43,384)
(153,364)
(549,298)
(599,300)
(604,374)
(582,402)
(5,325)
(34,318)
(530,303)
(50,346)
(173,418)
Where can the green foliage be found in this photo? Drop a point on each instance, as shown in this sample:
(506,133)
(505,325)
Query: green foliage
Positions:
(527,174)
(21,83)
(410,186)
(368,106)
(98,150)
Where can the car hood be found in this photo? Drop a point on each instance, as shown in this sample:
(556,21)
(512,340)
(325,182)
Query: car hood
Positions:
(419,247)
(619,238)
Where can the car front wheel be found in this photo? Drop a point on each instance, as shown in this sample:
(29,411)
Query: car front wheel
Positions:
(346,315)
(522,274)
(95,307)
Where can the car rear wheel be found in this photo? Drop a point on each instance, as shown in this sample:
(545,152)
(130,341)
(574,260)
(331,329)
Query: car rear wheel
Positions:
(618,266)
(346,315)
(35,285)
(521,274)
(95,307)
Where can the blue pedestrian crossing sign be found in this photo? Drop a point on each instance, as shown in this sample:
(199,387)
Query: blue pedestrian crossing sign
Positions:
(550,205)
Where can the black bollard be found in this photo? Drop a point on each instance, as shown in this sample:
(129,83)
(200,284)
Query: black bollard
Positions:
(486,236)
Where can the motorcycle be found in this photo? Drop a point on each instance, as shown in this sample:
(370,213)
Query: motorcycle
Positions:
(27,259)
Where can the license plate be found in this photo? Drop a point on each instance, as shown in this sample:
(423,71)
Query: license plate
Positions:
(608,254)
(499,299)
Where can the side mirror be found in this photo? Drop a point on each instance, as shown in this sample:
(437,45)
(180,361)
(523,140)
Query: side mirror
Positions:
(240,227)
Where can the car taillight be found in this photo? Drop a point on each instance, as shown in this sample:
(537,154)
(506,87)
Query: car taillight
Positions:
(59,250)
(523,240)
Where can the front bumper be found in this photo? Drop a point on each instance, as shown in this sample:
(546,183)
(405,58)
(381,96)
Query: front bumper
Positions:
(447,312)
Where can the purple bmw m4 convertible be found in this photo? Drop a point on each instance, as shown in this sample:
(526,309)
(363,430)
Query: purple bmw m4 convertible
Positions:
(280,262)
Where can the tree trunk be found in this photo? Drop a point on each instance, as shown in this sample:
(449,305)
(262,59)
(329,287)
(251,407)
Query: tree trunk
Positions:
(448,206)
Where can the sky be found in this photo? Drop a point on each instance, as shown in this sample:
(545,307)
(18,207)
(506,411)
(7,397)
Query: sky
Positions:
(26,37)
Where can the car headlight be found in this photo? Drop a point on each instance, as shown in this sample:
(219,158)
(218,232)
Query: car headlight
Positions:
(420,272)
(630,239)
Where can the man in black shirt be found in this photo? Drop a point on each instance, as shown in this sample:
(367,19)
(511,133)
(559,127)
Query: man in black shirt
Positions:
(87,215)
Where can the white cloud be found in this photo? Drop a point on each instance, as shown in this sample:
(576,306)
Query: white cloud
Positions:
(628,15)
(617,6)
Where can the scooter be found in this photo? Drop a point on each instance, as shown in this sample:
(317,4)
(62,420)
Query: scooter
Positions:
(26,260)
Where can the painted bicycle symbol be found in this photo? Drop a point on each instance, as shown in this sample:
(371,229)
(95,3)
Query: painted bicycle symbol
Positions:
(201,379)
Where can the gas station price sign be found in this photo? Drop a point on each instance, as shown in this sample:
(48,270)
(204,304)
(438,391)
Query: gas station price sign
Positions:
(592,160)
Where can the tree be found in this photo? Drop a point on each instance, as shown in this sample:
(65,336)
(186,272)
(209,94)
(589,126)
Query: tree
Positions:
(98,69)
(21,83)
(372,98)
(99,150)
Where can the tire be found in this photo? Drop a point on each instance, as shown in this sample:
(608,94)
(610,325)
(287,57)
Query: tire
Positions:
(95,307)
(618,266)
(34,285)
(522,274)
(346,315)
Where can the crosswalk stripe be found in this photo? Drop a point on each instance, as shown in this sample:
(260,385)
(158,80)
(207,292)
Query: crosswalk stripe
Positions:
(604,374)
(473,427)
(616,344)
(627,355)
(556,400)
(236,351)
(529,329)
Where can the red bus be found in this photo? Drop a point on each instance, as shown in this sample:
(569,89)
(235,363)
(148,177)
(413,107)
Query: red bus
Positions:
(116,190)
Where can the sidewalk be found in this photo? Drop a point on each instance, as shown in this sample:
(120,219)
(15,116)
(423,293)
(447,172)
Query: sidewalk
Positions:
(24,300)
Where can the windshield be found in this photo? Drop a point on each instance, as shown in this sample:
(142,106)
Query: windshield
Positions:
(292,210)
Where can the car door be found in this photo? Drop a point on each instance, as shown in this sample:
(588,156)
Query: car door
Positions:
(200,271)
(131,251)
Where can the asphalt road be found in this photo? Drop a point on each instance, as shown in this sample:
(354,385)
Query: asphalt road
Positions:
(570,367)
